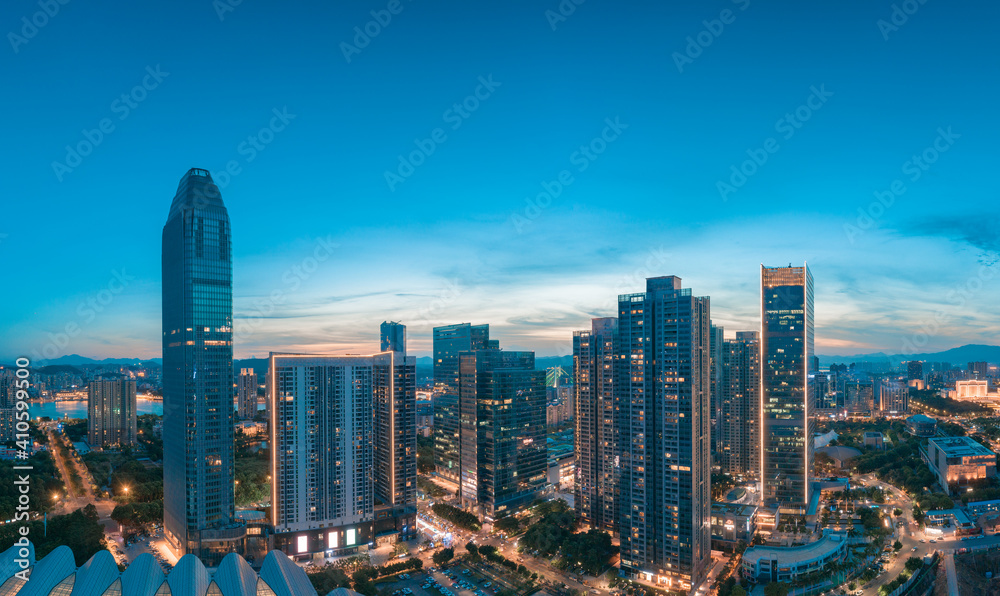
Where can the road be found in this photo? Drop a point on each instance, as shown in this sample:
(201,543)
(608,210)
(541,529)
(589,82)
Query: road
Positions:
(949,564)
(73,500)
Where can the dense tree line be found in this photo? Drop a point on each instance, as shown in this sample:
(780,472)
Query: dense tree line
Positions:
(554,533)
(900,466)
(43,484)
(459,517)
(330,577)
(137,514)
(81,531)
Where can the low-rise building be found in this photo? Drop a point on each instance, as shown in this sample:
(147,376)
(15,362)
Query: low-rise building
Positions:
(950,522)
(957,461)
(763,564)
(921,426)
(731,523)
(874,439)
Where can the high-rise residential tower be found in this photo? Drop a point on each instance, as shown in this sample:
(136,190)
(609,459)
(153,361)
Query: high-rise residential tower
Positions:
(246,394)
(111,415)
(663,392)
(894,397)
(8,402)
(345,430)
(596,496)
(787,424)
(392,337)
(197,269)
(449,341)
(716,340)
(739,425)
(502,431)
(395,449)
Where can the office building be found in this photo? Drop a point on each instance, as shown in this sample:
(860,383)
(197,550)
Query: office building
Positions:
(860,396)
(246,394)
(595,436)
(921,426)
(894,397)
(971,391)
(392,337)
(787,422)
(111,415)
(504,462)
(959,461)
(739,427)
(198,496)
(449,341)
(663,394)
(914,370)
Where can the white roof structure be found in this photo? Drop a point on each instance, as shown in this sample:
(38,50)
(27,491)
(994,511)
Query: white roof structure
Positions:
(57,574)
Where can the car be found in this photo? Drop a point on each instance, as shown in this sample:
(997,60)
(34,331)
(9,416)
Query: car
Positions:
(487,584)
(913,549)
(933,541)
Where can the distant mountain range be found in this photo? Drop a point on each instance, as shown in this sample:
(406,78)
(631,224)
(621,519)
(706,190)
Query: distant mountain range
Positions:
(959,356)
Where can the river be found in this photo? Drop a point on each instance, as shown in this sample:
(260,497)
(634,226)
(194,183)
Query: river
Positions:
(78,408)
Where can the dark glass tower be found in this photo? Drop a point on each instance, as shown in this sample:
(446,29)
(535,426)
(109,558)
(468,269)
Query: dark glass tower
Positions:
(662,386)
(502,431)
(198,373)
(786,404)
(596,417)
(449,341)
(393,337)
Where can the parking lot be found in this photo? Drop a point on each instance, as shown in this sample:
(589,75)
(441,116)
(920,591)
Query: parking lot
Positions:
(456,581)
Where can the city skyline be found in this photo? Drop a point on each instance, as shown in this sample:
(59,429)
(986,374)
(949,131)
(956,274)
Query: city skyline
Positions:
(458,238)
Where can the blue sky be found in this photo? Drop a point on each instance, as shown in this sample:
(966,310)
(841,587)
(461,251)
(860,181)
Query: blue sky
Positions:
(633,116)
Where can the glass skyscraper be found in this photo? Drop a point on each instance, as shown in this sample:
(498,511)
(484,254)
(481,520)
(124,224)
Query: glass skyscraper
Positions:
(502,431)
(663,385)
(197,269)
(392,336)
(449,341)
(786,404)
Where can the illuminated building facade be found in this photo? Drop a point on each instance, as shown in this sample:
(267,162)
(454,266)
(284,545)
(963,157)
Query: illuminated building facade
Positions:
(596,417)
(504,463)
(959,461)
(739,426)
(787,423)
(197,270)
(111,416)
(449,341)
(246,394)
(663,394)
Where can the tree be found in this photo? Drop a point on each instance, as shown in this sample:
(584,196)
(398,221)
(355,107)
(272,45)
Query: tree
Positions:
(472,548)
(913,563)
(897,546)
(507,524)
(738,591)
(443,556)
(776,589)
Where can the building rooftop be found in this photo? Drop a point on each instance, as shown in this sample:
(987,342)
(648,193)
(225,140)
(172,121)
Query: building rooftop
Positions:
(721,508)
(959,446)
(921,418)
(790,555)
